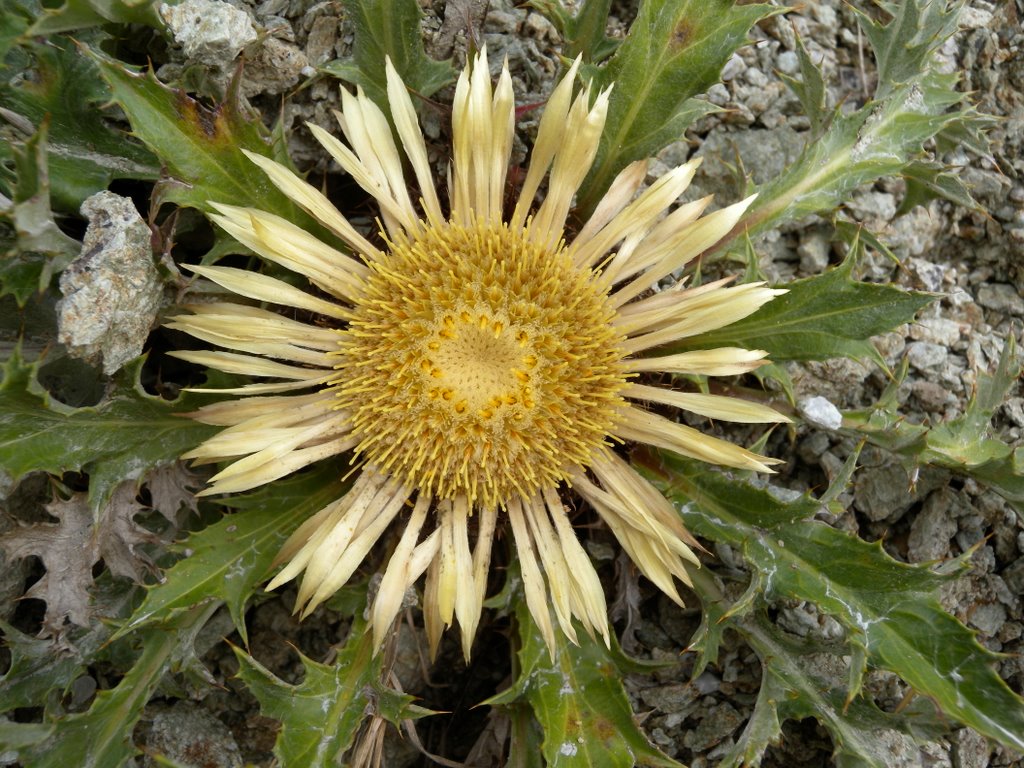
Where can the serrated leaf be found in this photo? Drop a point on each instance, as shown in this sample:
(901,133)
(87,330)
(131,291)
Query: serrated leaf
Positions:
(85,153)
(810,89)
(122,438)
(928,180)
(37,667)
(320,716)
(579,701)
(38,248)
(824,316)
(102,736)
(903,45)
(81,14)
(797,683)
(890,608)
(201,148)
(877,140)
(389,28)
(227,560)
(674,50)
(964,444)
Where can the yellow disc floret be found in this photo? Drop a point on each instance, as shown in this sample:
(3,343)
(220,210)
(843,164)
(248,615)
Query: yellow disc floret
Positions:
(479,363)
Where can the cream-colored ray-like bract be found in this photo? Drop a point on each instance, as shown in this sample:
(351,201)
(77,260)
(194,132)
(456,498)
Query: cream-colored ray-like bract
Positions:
(475,368)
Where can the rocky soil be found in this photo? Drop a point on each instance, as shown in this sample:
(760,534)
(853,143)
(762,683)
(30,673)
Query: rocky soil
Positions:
(970,259)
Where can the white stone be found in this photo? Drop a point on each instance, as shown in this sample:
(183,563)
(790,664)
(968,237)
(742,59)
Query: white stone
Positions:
(821,413)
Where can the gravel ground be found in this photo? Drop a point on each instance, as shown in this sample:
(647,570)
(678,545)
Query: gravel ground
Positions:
(970,259)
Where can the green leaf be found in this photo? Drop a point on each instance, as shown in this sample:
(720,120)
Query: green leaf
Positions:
(810,89)
(674,50)
(227,560)
(85,154)
(201,148)
(37,248)
(579,701)
(964,445)
(321,715)
(102,736)
(583,32)
(120,439)
(928,180)
(824,316)
(889,609)
(80,14)
(904,45)
(389,28)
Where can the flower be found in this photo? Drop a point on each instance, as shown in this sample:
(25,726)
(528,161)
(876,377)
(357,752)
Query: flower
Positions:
(477,365)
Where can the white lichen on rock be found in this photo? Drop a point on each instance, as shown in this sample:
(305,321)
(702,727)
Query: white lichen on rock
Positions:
(112,291)
(209,32)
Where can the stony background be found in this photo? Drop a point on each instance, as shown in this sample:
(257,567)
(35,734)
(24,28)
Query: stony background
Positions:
(970,259)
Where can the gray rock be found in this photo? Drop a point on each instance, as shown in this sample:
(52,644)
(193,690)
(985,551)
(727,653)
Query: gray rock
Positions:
(1001,298)
(936,330)
(883,493)
(814,252)
(924,355)
(112,291)
(788,62)
(931,531)
(192,736)
(988,618)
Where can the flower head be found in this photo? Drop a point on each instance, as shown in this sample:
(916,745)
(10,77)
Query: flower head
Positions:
(476,365)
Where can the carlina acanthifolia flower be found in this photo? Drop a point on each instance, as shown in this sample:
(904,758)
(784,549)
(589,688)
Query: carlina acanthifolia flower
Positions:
(476,365)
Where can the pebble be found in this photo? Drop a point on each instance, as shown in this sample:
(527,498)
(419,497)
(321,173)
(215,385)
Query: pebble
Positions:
(788,62)
(814,252)
(821,413)
(937,330)
(988,618)
(1001,298)
(191,735)
(924,355)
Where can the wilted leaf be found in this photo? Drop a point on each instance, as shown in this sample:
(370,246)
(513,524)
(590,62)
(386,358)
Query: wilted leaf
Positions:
(123,437)
(389,28)
(888,608)
(85,153)
(824,316)
(579,701)
(70,548)
(674,50)
(227,560)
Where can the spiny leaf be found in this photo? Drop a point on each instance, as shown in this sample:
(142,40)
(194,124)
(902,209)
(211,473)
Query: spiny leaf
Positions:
(320,716)
(674,50)
(928,180)
(102,736)
(85,153)
(824,316)
(37,249)
(389,28)
(201,148)
(810,89)
(120,439)
(799,682)
(227,560)
(963,445)
(877,140)
(888,608)
(579,701)
(903,45)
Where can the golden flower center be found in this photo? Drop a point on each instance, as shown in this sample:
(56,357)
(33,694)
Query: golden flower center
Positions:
(479,363)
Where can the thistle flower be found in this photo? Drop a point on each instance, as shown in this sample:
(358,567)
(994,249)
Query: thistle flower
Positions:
(477,366)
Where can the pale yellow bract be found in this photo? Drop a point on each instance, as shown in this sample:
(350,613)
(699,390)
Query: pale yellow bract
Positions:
(476,365)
